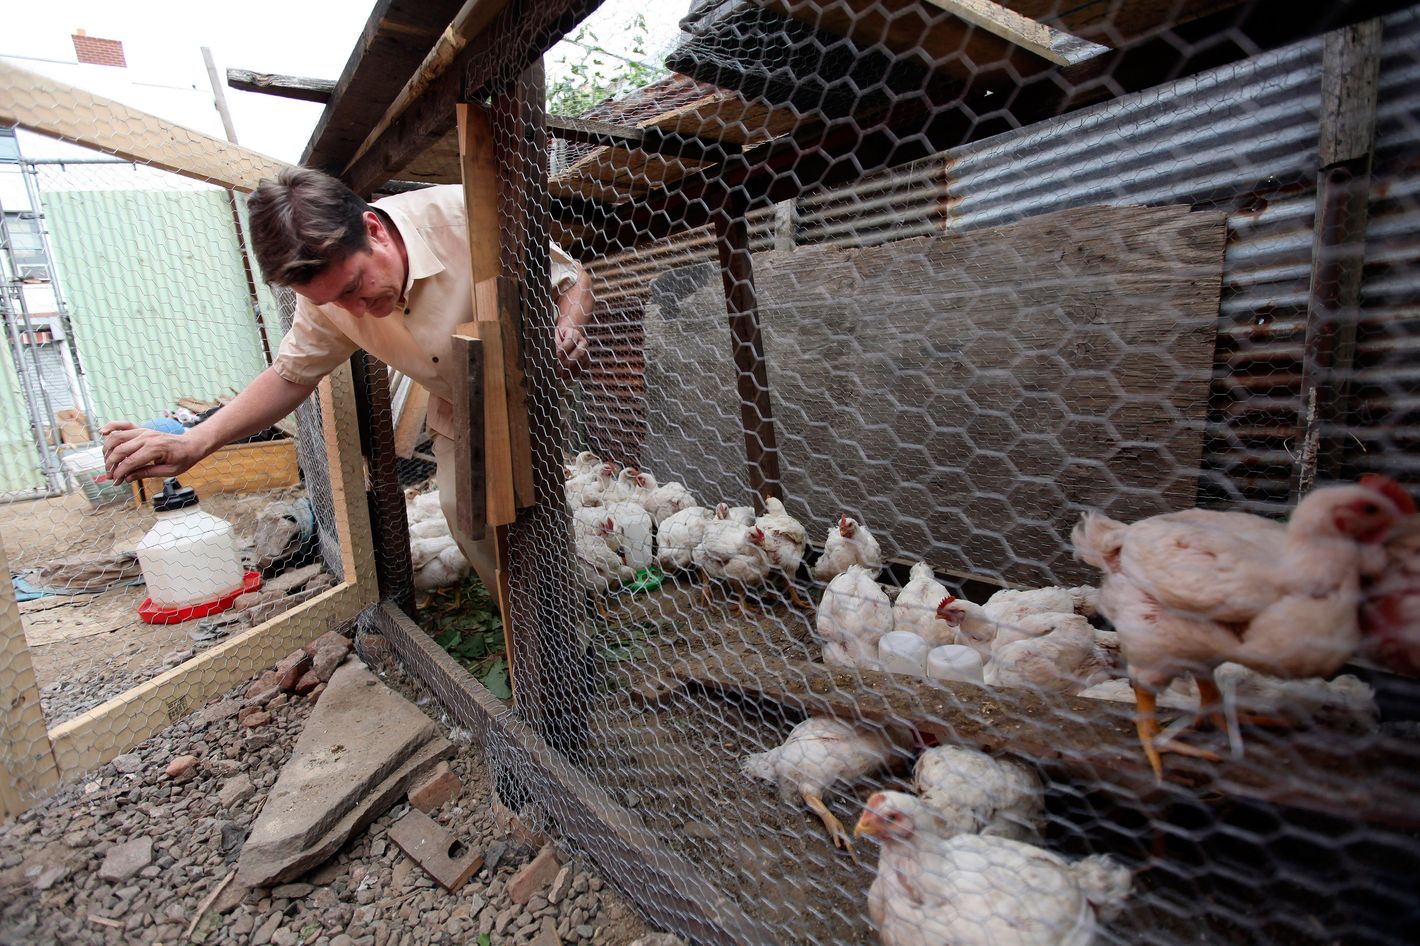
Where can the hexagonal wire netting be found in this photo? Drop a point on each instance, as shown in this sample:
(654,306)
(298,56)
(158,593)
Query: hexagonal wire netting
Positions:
(880,265)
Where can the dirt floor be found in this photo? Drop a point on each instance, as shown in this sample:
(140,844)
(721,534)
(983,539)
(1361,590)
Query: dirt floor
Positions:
(89,648)
(675,760)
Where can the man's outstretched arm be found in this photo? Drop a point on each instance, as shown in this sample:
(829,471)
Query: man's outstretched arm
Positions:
(132,452)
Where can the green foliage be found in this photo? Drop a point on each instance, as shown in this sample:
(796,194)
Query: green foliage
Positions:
(600,74)
(466,623)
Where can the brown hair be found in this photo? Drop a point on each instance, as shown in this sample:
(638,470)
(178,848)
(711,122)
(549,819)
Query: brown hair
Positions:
(302,222)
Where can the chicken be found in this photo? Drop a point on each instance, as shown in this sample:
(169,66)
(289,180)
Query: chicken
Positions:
(744,515)
(1390,615)
(582,464)
(1187,591)
(633,535)
(972,793)
(1009,605)
(590,489)
(785,539)
(666,500)
(979,890)
(678,535)
(437,562)
(1051,652)
(729,551)
(852,617)
(915,609)
(970,624)
(601,566)
(1344,700)
(817,755)
(630,486)
(849,543)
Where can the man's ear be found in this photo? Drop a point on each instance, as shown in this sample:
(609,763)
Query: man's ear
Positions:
(375,227)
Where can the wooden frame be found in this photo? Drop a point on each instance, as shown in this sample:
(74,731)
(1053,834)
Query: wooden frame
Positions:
(34,759)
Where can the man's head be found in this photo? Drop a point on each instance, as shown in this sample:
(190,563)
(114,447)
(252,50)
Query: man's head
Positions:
(313,234)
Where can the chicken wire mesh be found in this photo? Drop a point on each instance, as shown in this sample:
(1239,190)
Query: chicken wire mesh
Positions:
(129,297)
(895,292)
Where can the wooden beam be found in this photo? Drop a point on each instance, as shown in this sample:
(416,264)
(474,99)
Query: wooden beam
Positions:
(397,36)
(286,87)
(490,62)
(588,132)
(389,517)
(940,117)
(1350,78)
(471,498)
(669,888)
(652,139)
(59,110)
(88,741)
(27,765)
(1059,47)
(751,374)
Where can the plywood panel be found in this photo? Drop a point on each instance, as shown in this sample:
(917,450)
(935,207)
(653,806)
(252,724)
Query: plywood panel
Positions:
(968,395)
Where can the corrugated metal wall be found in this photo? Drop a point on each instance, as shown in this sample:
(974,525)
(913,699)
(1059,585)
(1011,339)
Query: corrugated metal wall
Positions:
(1242,139)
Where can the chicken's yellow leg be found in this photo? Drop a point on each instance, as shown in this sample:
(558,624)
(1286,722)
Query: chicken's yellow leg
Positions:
(834,826)
(705,590)
(1148,726)
(1210,695)
(794,594)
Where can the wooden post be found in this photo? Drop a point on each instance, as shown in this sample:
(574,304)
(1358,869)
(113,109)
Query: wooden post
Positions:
(752,377)
(1350,76)
(471,492)
(25,750)
(389,520)
(552,678)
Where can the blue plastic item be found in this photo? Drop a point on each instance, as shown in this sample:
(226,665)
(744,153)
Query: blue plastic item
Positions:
(164,425)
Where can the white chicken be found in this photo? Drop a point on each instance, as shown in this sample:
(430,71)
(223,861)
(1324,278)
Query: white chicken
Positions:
(582,464)
(785,539)
(975,890)
(1009,605)
(1049,653)
(590,489)
(633,535)
(437,562)
(852,617)
(1187,591)
(819,754)
(970,624)
(915,609)
(972,793)
(848,543)
(667,499)
(744,515)
(630,486)
(678,536)
(729,551)
(601,566)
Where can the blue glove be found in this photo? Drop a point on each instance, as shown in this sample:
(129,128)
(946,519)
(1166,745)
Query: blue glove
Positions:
(164,425)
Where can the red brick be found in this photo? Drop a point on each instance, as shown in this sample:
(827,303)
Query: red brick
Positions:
(263,688)
(326,660)
(183,768)
(259,718)
(292,668)
(315,694)
(328,639)
(535,875)
(436,791)
(308,682)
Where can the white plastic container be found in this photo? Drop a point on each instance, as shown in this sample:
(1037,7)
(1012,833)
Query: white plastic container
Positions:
(955,662)
(903,652)
(189,557)
(85,466)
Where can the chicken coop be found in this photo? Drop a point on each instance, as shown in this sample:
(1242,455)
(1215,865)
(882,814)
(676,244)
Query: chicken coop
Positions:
(912,556)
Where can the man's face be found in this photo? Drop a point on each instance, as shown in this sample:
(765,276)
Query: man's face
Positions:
(369,282)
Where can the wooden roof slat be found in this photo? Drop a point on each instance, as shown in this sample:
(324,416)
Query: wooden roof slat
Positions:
(1049,43)
(286,87)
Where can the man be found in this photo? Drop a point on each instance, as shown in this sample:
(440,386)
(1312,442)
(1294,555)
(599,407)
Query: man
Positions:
(392,278)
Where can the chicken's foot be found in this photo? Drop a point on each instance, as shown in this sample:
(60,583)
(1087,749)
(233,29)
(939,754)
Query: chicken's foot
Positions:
(794,594)
(1210,705)
(1147,723)
(832,824)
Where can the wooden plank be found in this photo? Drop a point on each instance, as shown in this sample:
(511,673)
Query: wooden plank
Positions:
(286,87)
(1350,78)
(88,741)
(964,395)
(471,499)
(498,456)
(669,888)
(236,468)
(397,36)
(1089,742)
(479,169)
(515,384)
(1057,46)
(517,36)
(27,765)
(55,108)
(588,132)
(409,426)
(747,351)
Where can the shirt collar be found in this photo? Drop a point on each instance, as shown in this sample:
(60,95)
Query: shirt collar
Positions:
(422,261)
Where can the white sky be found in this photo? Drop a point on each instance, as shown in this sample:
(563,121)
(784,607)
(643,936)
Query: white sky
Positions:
(162,43)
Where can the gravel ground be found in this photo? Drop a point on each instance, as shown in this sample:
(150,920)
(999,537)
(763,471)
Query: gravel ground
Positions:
(63,879)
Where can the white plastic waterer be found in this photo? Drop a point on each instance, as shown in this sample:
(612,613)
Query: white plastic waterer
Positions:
(188,557)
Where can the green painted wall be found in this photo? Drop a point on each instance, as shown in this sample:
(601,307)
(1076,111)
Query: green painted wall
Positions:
(19,460)
(157,296)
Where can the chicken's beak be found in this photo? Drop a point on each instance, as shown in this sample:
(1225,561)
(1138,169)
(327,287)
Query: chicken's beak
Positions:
(869,824)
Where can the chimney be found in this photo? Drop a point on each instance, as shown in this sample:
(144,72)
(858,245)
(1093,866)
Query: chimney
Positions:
(98,52)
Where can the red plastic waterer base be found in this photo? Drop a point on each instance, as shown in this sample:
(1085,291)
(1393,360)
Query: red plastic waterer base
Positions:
(152,614)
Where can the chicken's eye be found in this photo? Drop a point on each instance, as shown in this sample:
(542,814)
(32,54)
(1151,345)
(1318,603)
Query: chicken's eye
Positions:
(1370,509)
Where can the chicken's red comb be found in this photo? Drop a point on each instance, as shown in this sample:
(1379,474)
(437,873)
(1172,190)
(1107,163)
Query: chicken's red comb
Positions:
(1391,490)
(946,601)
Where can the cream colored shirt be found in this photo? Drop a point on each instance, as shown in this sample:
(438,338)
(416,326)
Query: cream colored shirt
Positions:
(438,297)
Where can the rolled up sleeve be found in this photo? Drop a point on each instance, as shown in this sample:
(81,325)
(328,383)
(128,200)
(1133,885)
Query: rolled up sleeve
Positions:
(564,269)
(313,348)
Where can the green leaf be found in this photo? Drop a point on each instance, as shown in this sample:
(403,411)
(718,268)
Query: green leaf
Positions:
(496,680)
(483,940)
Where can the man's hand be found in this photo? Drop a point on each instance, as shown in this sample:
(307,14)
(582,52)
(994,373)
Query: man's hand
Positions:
(571,348)
(132,452)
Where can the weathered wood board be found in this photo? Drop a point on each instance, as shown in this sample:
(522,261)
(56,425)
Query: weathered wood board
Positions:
(967,396)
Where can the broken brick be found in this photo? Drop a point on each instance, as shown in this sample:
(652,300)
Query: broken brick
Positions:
(292,668)
(308,682)
(438,790)
(535,875)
